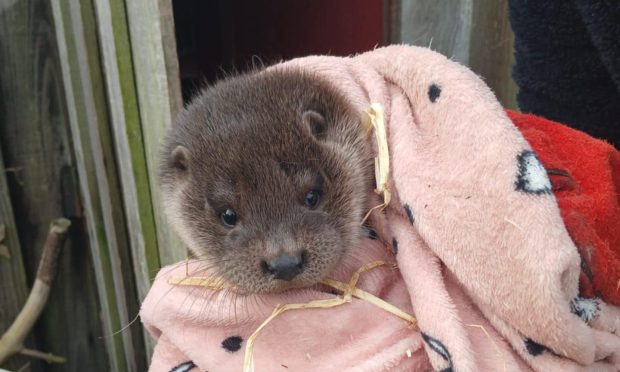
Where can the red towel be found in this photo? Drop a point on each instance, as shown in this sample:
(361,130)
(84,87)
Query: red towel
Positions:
(585,173)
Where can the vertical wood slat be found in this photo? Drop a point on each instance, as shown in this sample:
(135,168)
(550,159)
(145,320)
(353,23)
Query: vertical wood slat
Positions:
(442,25)
(491,49)
(475,33)
(391,22)
(87,113)
(128,136)
(159,98)
(171,59)
(13,285)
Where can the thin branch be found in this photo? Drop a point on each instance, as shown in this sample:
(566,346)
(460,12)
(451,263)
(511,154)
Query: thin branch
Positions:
(48,357)
(12,341)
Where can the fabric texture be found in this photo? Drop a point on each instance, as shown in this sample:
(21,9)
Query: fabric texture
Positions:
(567,62)
(585,174)
(485,261)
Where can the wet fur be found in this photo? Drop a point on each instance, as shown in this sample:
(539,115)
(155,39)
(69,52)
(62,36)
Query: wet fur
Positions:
(246,144)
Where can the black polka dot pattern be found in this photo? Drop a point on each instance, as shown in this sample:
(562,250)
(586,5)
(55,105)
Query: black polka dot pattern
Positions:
(534,348)
(585,308)
(440,349)
(184,367)
(585,268)
(436,346)
(370,233)
(232,343)
(433,92)
(394,245)
(532,177)
(409,213)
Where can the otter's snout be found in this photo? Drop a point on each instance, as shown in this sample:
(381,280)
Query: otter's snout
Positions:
(285,267)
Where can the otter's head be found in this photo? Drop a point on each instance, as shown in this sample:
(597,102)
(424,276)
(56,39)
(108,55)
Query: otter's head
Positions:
(266,177)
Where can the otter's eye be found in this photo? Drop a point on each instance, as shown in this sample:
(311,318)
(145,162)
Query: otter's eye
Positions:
(229,217)
(312,199)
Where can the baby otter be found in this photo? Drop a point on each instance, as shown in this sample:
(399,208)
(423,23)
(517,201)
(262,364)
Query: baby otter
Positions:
(266,177)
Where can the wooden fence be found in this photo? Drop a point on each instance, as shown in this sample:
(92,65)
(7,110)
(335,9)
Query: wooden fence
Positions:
(87,89)
(80,135)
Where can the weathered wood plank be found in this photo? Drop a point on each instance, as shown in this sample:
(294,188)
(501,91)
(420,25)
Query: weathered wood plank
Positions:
(35,140)
(491,48)
(77,42)
(124,112)
(128,140)
(110,194)
(169,43)
(158,100)
(391,22)
(442,25)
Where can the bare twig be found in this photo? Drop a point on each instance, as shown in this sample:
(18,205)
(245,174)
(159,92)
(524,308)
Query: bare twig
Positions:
(12,341)
(48,357)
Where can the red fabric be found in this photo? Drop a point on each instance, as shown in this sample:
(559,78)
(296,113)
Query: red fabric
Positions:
(585,173)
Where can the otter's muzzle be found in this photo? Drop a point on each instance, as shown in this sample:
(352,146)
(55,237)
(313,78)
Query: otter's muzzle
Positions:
(285,267)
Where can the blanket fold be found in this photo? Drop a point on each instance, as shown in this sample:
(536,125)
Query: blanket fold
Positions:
(485,260)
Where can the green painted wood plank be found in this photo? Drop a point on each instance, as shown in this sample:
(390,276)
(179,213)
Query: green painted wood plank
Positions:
(110,192)
(158,98)
(125,116)
(76,35)
(123,103)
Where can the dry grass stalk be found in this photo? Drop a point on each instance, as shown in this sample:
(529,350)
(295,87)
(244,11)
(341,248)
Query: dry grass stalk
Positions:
(495,346)
(373,119)
(349,290)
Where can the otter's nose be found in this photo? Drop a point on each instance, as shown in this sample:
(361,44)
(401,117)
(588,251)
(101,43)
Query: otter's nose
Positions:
(285,267)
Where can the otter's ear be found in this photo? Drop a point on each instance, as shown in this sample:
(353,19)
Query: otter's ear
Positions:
(316,123)
(179,159)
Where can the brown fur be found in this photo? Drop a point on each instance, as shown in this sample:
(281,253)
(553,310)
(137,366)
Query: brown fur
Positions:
(246,144)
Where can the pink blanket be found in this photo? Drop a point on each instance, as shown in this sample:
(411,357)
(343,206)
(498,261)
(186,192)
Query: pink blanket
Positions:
(484,261)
